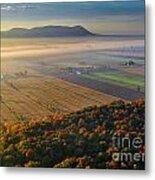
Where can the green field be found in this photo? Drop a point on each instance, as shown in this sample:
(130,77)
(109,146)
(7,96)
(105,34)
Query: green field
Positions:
(118,78)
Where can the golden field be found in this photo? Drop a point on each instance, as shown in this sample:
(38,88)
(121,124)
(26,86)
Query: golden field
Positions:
(39,93)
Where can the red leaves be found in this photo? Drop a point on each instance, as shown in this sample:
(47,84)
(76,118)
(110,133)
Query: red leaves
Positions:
(78,140)
(58,116)
(29,153)
(48,133)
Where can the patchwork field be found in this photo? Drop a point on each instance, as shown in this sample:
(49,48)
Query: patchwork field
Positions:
(43,76)
(135,70)
(72,87)
(119,78)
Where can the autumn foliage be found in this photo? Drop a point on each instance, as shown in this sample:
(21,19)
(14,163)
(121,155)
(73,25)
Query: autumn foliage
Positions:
(78,140)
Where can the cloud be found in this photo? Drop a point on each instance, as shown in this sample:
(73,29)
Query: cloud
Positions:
(27,6)
(15,7)
(6,8)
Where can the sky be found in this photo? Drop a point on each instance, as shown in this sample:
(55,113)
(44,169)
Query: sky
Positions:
(107,17)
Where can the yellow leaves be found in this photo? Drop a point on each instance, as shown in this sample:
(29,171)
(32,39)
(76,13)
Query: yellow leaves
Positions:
(112,149)
(32,164)
(81,140)
(13,127)
(2,139)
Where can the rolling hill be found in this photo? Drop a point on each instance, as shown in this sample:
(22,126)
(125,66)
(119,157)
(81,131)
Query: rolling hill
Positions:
(82,139)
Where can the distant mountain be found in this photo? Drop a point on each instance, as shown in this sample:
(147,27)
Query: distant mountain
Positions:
(47,31)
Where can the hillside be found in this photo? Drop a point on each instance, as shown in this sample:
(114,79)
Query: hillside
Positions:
(79,140)
(46,31)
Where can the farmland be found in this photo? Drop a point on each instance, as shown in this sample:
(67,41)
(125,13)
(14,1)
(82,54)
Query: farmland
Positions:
(135,71)
(36,77)
(72,91)
(131,81)
(22,99)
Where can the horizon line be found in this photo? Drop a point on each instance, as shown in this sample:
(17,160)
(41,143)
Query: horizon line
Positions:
(94,33)
(76,25)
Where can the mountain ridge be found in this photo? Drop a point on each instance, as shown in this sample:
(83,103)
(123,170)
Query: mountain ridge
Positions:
(47,31)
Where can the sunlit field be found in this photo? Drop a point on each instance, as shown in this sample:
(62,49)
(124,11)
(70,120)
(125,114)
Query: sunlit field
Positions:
(73,85)
(34,71)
